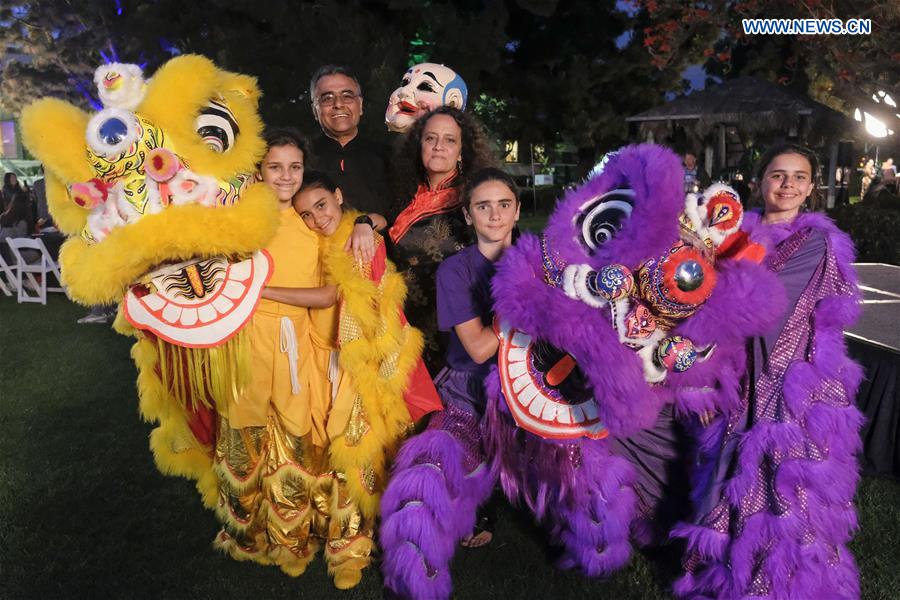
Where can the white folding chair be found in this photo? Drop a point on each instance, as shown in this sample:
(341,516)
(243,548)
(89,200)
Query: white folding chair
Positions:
(8,282)
(43,266)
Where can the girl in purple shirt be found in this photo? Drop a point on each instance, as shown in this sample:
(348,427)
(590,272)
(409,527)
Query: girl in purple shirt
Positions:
(453,438)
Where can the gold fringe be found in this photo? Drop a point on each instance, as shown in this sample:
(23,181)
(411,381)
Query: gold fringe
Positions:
(208,377)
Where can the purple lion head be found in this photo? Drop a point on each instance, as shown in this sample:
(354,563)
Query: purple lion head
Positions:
(587,310)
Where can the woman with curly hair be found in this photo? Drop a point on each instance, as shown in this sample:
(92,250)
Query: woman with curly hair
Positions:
(432,164)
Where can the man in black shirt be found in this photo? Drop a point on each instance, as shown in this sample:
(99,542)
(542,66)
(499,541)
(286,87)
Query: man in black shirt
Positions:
(358,166)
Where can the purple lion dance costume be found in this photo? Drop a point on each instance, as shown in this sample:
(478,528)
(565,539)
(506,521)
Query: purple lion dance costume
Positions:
(632,292)
(774,492)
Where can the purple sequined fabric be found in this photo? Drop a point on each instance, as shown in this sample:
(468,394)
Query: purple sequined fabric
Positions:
(765,403)
(465,427)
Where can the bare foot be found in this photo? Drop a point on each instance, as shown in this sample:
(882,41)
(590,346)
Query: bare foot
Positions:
(482,538)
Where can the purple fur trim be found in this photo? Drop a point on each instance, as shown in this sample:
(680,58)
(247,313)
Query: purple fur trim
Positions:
(594,529)
(707,542)
(407,575)
(712,385)
(429,504)
(582,492)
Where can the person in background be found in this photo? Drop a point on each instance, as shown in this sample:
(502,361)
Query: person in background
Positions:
(11,187)
(695,178)
(889,174)
(357,165)
(437,155)
(868,174)
(14,220)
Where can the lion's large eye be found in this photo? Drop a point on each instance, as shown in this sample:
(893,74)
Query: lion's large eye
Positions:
(112,131)
(217,126)
(601,218)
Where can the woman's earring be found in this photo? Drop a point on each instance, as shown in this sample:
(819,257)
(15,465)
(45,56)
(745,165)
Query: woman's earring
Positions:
(459,165)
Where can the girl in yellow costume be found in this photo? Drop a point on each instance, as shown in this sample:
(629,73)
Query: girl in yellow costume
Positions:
(273,497)
(379,384)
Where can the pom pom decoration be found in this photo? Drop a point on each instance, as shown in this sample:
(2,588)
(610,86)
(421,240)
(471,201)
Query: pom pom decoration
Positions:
(675,353)
(88,195)
(612,282)
(161,165)
(120,85)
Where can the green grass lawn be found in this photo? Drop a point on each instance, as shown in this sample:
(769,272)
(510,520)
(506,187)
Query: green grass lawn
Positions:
(85,514)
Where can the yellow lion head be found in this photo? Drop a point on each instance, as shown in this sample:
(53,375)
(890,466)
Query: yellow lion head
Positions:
(157,193)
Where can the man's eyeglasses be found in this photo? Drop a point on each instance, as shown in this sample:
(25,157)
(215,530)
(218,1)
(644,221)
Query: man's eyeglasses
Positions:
(329,99)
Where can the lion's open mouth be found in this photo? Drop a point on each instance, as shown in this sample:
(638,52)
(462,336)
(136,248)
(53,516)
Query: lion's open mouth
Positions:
(199,303)
(545,389)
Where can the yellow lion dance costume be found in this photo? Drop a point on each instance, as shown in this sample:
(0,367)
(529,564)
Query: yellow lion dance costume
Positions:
(165,218)
(149,190)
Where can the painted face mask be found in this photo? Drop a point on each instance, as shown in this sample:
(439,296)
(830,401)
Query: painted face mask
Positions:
(423,88)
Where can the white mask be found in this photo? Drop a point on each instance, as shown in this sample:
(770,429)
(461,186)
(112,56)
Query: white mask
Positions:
(423,88)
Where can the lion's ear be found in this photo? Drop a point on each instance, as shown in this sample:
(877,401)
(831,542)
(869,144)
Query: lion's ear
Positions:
(242,85)
(177,91)
(53,131)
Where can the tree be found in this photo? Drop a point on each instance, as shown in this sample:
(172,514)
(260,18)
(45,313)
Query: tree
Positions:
(842,71)
(564,76)
(50,51)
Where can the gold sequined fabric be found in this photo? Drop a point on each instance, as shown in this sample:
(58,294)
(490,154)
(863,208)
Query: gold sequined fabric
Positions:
(279,500)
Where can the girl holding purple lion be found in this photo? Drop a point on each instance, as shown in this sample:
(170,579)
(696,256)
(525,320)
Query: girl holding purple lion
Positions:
(778,470)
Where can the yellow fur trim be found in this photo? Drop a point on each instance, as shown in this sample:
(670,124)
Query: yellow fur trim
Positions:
(376,307)
(239,486)
(101,273)
(191,463)
(68,216)
(230,547)
(290,563)
(174,97)
(53,131)
(174,447)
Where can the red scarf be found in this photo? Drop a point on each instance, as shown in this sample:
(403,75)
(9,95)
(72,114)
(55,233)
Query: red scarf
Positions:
(425,203)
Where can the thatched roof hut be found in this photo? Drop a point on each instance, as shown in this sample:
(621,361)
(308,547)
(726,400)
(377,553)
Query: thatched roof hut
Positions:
(723,124)
(756,107)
